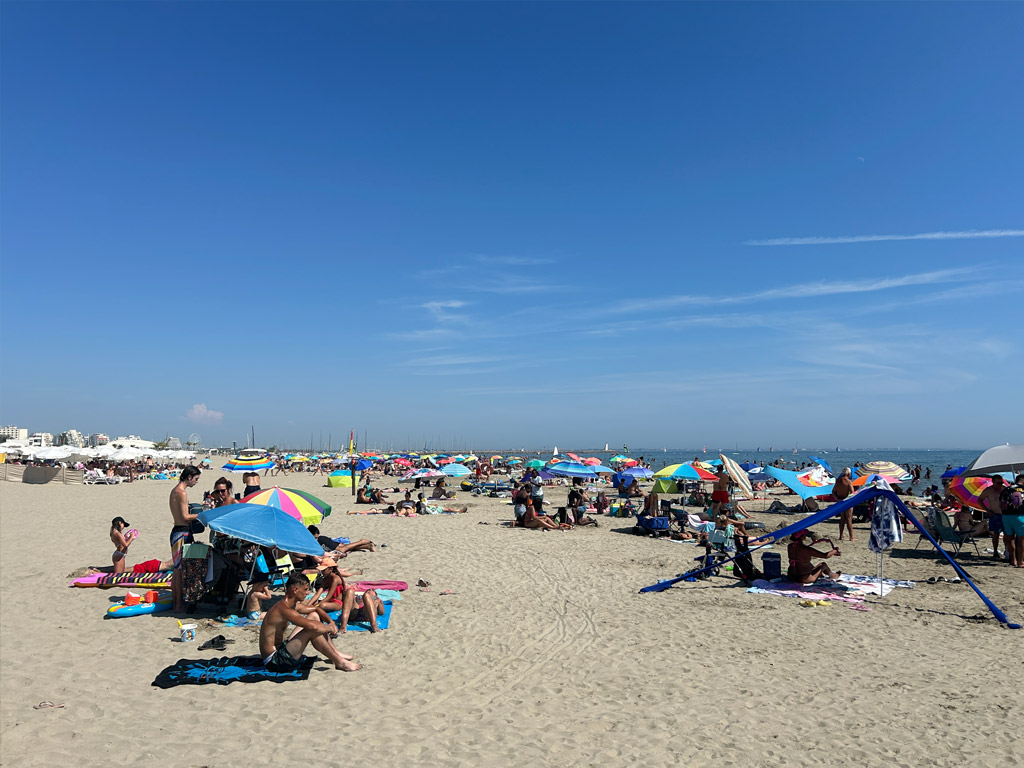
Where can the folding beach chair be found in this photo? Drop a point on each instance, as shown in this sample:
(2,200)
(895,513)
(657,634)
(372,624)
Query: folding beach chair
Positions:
(946,532)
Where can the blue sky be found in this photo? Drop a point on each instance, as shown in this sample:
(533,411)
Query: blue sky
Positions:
(515,224)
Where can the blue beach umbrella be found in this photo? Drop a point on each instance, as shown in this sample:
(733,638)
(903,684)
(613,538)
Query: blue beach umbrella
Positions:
(573,469)
(640,472)
(456,470)
(953,472)
(263,525)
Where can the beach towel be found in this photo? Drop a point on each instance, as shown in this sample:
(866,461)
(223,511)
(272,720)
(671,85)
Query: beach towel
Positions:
(869,584)
(831,591)
(227,670)
(363,626)
(155,579)
(362,586)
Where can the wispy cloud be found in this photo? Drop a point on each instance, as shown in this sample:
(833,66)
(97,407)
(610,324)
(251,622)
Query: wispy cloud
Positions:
(971,234)
(800,290)
(448,360)
(441,310)
(513,284)
(515,261)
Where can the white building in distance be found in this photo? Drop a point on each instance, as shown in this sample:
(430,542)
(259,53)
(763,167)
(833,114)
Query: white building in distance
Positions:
(71,437)
(173,444)
(97,439)
(131,441)
(12,432)
(40,439)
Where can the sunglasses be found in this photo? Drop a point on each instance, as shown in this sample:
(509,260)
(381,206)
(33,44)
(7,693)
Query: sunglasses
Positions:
(220,490)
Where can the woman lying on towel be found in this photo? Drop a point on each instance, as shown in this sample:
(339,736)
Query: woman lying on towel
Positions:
(422,508)
(801,570)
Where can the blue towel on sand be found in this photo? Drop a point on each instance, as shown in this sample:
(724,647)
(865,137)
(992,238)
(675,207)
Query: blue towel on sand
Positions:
(226,670)
(362,626)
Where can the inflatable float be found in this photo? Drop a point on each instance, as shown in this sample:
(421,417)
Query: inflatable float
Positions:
(119,610)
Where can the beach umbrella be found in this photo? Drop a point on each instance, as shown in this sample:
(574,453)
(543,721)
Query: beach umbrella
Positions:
(247,465)
(600,469)
(874,478)
(513,462)
(748,466)
(1002,458)
(953,472)
(496,457)
(738,475)
(303,506)
(884,468)
(573,469)
(575,458)
(403,462)
(591,461)
(639,472)
(968,489)
(534,464)
(263,525)
(456,470)
(687,471)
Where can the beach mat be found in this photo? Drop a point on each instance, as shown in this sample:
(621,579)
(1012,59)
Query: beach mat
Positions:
(362,586)
(362,626)
(830,591)
(227,670)
(155,580)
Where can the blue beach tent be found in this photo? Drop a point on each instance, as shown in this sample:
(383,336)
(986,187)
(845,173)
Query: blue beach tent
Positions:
(867,494)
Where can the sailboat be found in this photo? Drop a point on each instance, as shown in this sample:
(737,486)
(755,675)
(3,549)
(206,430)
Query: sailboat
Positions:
(555,452)
(606,448)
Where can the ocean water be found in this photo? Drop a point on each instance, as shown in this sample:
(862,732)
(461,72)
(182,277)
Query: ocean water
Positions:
(937,460)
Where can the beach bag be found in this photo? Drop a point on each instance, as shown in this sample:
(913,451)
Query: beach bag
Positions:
(1011,500)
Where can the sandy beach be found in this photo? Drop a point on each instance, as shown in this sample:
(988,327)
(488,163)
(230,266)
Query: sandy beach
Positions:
(543,654)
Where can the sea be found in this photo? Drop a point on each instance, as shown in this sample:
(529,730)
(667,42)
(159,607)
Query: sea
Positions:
(936,460)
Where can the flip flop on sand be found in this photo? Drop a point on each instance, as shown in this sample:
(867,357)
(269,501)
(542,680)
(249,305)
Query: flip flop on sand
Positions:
(48,705)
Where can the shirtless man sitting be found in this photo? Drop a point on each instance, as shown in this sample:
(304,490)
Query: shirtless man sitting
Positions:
(280,655)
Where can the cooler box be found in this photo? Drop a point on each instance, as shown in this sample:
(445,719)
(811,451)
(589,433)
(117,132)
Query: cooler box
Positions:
(771,565)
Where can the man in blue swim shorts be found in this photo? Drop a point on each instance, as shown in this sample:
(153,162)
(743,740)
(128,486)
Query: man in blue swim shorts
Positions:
(280,655)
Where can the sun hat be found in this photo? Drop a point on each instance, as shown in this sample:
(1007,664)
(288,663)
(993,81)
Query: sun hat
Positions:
(800,534)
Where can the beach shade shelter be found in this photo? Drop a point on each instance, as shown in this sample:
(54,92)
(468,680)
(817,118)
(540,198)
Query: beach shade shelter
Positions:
(572,469)
(823,463)
(812,482)
(263,525)
(1002,458)
(303,506)
(748,466)
(738,475)
(341,478)
(665,485)
(534,464)
(968,489)
(422,474)
(887,468)
(247,465)
(868,494)
(953,472)
(456,470)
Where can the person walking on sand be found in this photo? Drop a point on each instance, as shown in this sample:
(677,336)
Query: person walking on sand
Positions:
(181,532)
(1011,501)
(842,490)
(280,655)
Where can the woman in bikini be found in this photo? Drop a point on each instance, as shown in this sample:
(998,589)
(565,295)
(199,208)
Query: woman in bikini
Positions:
(334,595)
(120,542)
(801,570)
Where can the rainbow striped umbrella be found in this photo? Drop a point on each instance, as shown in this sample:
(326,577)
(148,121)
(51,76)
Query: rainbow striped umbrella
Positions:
(968,489)
(238,464)
(304,507)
